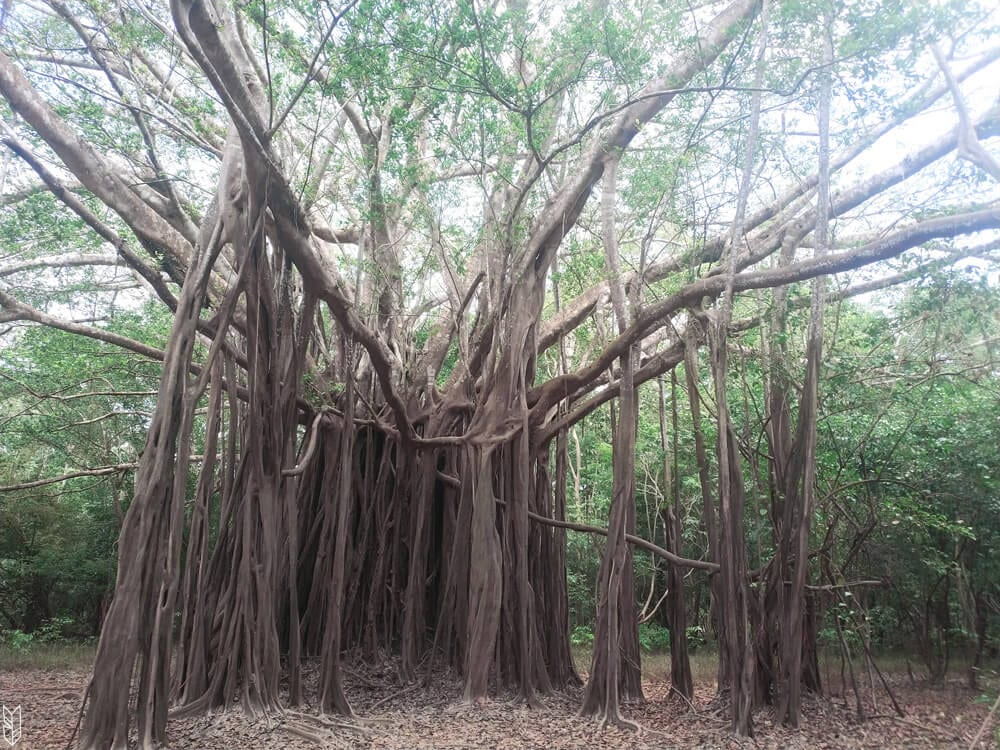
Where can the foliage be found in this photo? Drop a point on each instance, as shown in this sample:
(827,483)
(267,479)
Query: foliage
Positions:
(582,636)
(68,403)
(653,638)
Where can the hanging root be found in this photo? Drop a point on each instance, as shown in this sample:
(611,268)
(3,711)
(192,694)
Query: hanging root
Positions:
(79,717)
(397,694)
(321,730)
(616,720)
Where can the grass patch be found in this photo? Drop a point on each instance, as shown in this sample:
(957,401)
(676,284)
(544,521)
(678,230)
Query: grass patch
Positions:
(656,665)
(48,656)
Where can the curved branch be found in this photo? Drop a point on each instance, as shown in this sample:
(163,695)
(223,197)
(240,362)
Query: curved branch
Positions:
(67,260)
(987,125)
(19,311)
(639,542)
(969,146)
(710,287)
(75,204)
(102,471)
(310,449)
(229,72)
(89,167)
(562,211)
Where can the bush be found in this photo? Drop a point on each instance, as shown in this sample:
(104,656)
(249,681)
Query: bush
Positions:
(582,636)
(653,638)
(695,637)
(56,629)
(17,640)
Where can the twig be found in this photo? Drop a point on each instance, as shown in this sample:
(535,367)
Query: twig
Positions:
(675,691)
(986,722)
(79,716)
(397,694)
(917,724)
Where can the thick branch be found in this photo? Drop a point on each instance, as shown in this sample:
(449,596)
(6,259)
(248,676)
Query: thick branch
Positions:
(89,167)
(102,471)
(711,287)
(563,209)
(73,202)
(67,260)
(16,310)
(968,144)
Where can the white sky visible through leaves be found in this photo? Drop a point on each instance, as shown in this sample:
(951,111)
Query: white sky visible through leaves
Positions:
(798,125)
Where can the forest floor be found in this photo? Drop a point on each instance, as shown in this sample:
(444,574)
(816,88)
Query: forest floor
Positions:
(394,717)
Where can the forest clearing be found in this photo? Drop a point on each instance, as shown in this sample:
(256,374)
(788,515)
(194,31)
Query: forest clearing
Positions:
(517,372)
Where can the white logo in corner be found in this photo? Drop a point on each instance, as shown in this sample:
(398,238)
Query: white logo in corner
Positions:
(11,725)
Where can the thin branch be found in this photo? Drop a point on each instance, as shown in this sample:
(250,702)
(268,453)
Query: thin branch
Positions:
(311,70)
(68,260)
(969,146)
(99,472)
(639,542)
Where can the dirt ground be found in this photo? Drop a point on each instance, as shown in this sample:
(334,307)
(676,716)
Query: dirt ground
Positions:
(393,717)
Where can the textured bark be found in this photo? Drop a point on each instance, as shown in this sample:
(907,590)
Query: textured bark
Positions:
(339,475)
(709,512)
(602,695)
(681,680)
(148,545)
(609,679)
(558,655)
(484,580)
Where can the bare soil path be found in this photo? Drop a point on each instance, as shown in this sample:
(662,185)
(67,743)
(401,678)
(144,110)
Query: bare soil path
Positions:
(393,717)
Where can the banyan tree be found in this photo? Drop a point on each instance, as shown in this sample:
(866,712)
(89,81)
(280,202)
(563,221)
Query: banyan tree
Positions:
(380,227)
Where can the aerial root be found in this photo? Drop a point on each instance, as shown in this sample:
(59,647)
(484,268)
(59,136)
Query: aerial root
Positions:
(605,719)
(327,723)
(320,730)
(397,694)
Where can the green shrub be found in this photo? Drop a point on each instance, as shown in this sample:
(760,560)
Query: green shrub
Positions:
(54,630)
(653,637)
(17,640)
(695,637)
(582,636)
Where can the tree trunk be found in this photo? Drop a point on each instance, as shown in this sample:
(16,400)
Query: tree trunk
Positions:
(149,535)
(681,680)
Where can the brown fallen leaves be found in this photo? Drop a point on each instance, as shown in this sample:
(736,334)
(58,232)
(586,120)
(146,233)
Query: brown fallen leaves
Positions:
(391,716)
